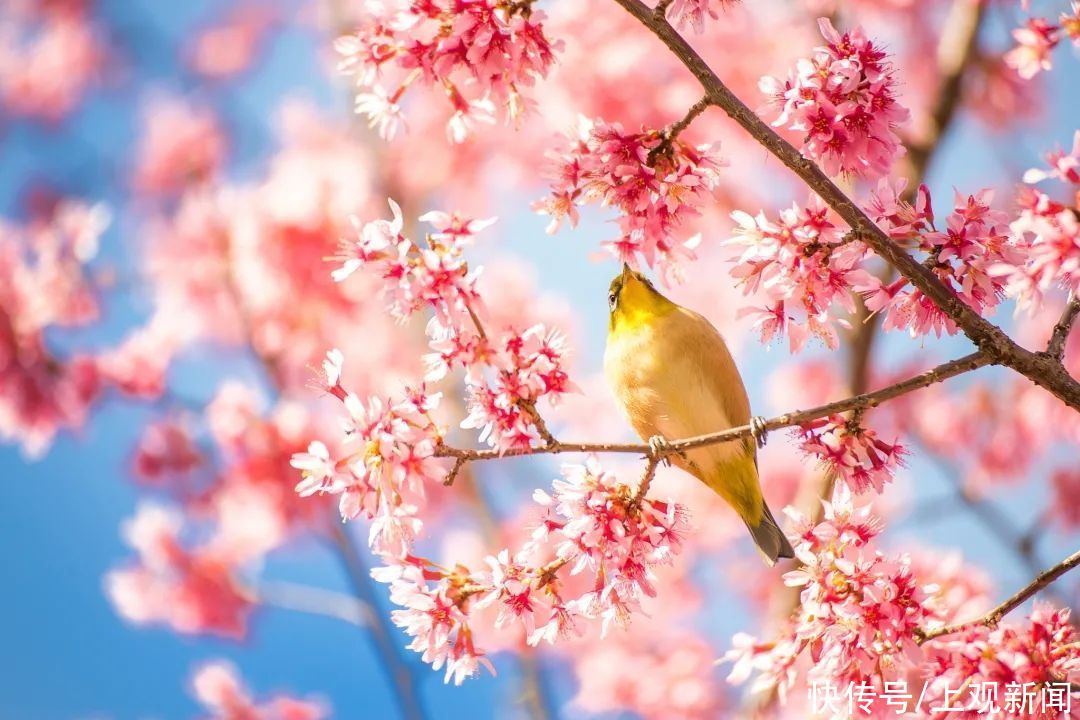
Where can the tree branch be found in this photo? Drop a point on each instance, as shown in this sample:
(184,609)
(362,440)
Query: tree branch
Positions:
(992,618)
(858,402)
(989,338)
(313,600)
(401,680)
(955,50)
(1056,346)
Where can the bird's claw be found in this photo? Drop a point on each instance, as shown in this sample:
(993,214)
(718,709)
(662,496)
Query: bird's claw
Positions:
(758,430)
(660,449)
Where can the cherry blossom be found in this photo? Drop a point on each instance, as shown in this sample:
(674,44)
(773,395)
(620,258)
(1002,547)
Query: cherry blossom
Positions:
(803,265)
(1049,233)
(966,256)
(693,12)
(192,591)
(843,98)
(855,453)
(1063,167)
(1019,658)
(218,687)
(1034,44)
(859,609)
(491,49)
(594,525)
(655,181)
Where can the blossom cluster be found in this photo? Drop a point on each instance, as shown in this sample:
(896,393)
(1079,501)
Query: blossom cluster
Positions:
(1047,232)
(219,688)
(965,256)
(192,590)
(654,180)
(1031,658)
(383,478)
(856,454)
(45,283)
(50,55)
(843,97)
(693,12)
(594,526)
(1036,40)
(804,265)
(480,52)
(859,610)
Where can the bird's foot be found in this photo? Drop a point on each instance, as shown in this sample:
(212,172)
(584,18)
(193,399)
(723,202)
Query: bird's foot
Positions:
(758,430)
(660,449)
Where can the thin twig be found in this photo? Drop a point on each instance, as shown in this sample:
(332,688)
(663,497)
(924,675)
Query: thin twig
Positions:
(990,339)
(660,11)
(667,137)
(646,481)
(1056,346)
(313,600)
(992,618)
(798,417)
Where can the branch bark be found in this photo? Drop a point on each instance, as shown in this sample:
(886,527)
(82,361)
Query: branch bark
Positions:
(1056,347)
(992,618)
(861,402)
(990,339)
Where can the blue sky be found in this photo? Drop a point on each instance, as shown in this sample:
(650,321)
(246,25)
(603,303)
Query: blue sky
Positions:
(63,651)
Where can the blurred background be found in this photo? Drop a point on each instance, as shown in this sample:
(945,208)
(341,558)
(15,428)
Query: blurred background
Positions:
(172,178)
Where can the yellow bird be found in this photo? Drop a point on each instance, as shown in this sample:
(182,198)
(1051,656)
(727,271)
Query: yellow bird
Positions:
(673,375)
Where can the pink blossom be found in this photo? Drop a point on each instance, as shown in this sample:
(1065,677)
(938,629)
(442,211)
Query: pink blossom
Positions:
(166,450)
(44,284)
(843,97)
(49,58)
(965,256)
(1034,44)
(218,687)
(414,276)
(182,144)
(192,591)
(1064,167)
(859,610)
(491,50)
(229,47)
(1019,658)
(855,453)
(1048,233)
(803,265)
(530,368)
(656,183)
(693,12)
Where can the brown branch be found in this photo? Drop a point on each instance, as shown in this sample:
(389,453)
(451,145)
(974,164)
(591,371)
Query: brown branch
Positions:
(992,618)
(668,135)
(956,49)
(394,665)
(1056,347)
(989,338)
(861,402)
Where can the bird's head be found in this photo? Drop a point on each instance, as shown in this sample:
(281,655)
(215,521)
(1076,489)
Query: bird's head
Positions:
(632,300)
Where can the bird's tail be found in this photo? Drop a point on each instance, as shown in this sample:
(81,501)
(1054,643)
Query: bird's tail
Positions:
(770,539)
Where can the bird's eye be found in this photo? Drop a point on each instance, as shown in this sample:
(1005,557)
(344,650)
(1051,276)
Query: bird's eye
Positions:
(613,300)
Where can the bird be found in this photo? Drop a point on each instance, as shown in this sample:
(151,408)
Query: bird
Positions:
(672,373)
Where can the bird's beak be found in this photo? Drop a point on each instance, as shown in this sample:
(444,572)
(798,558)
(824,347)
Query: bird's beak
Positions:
(627,273)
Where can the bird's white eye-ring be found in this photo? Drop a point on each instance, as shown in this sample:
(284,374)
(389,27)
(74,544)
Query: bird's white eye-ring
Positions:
(613,300)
